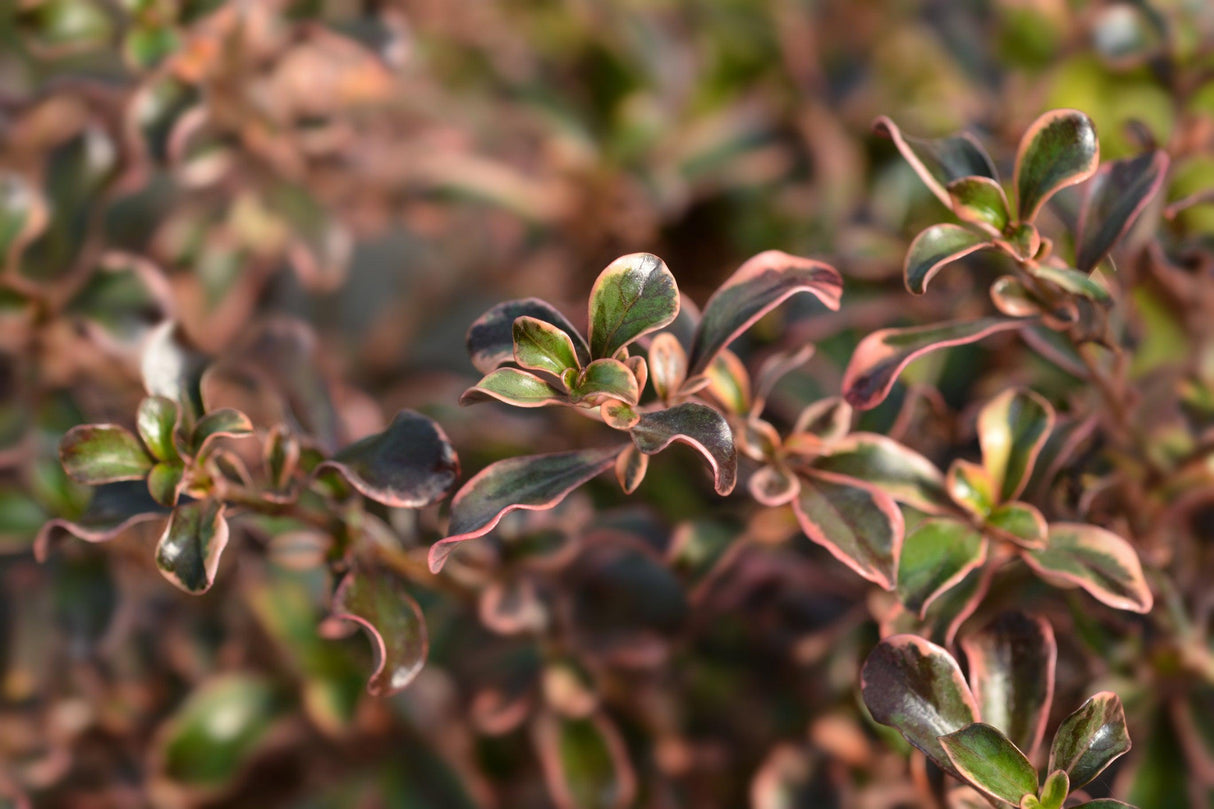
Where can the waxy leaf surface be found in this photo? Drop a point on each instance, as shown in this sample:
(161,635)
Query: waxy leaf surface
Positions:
(858,523)
(1115,197)
(937,555)
(1012,428)
(1058,150)
(985,758)
(1090,739)
(1097,560)
(699,426)
(379,602)
(189,549)
(935,248)
(634,295)
(490,339)
(102,453)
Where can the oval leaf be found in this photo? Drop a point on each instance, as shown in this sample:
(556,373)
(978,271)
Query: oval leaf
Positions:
(409,465)
(514,387)
(189,549)
(634,295)
(531,482)
(980,201)
(1059,149)
(156,421)
(935,248)
(859,524)
(916,687)
(667,364)
(606,379)
(989,761)
(1090,739)
(379,602)
(937,556)
(1115,197)
(1011,667)
(1074,282)
(541,346)
(697,425)
(761,284)
(882,355)
(899,471)
(490,339)
(941,161)
(1097,560)
(1012,428)
(1020,523)
(102,453)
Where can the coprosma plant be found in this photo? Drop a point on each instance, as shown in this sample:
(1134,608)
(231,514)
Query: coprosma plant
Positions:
(655,371)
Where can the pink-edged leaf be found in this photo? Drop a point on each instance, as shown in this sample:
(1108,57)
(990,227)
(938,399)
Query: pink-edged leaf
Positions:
(937,555)
(1097,560)
(941,161)
(1115,197)
(773,485)
(858,523)
(1013,299)
(971,487)
(514,387)
(1073,282)
(935,248)
(981,202)
(189,549)
(899,471)
(699,426)
(530,482)
(166,481)
(667,364)
(729,382)
(1054,790)
(1013,429)
(112,509)
(491,338)
(630,468)
(541,346)
(1090,739)
(103,453)
(156,421)
(917,687)
(882,355)
(606,379)
(1059,149)
(828,419)
(989,761)
(1020,523)
(411,464)
(635,295)
(380,603)
(1011,667)
(225,422)
(761,284)
(585,762)
(619,415)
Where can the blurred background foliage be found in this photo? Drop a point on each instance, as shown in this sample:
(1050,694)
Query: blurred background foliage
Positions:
(383,172)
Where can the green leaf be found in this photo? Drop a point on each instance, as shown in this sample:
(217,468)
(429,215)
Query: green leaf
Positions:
(1012,428)
(531,483)
(971,487)
(1115,197)
(1020,523)
(980,201)
(102,453)
(602,380)
(941,161)
(1011,668)
(634,295)
(1055,789)
(1090,739)
(172,368)
(164,482)
(541,346)
(1013,299)
(490,339)
(411,464)
(937,555)
(514,387)
(899,471)
(156,421)
(935,248)
(1059,149)
(729,382)
(585,762)
(189,549)
(858,523)
(1097,560)
(217,731)
(224,422)
(698,426)
(1074,282)
(761,284)
(882,355)
(989,761)
(916,687)
(667,364)
(379,602)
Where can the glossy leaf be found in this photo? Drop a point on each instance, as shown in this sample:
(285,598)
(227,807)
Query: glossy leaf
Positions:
(606,379)
(697,425)
(941,161)
(156,421)
(541,346)
(531,483)
(619,415)
(189,549)
(1011,672)
(989,761)
(971,487)
(1055,789)
(224,422)
(1090,739)
(935,248)
(379,602)
(916,687)
(411,464)
(514,387)
(1059,149)
(165,482)
(937,555)
(172,368)
(1020,523)
(102,453)
(667,364)
(1074,282)
(636,294)
(761,284)
(1115,197)
(490,339)
(980,201)
(1012,428)
(1013,299)
(858,523)
(899,471)
(729,382)
(882,355)
(1097,560)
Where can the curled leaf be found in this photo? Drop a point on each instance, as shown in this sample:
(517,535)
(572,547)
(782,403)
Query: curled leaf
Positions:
(630,467)
(189,549)
(941,161)
(935,248)
(980,201)
(858,523)
(606,379)
(697,425)
(667,364)
(899,471)
(1090,739)
(379,602)
(541,346)
(1059,149)
(111,510)
(988,760)
(490,339)
(219,423)
(729,382)
(937,555)
(634,295)
(1097,560)
(585,762)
